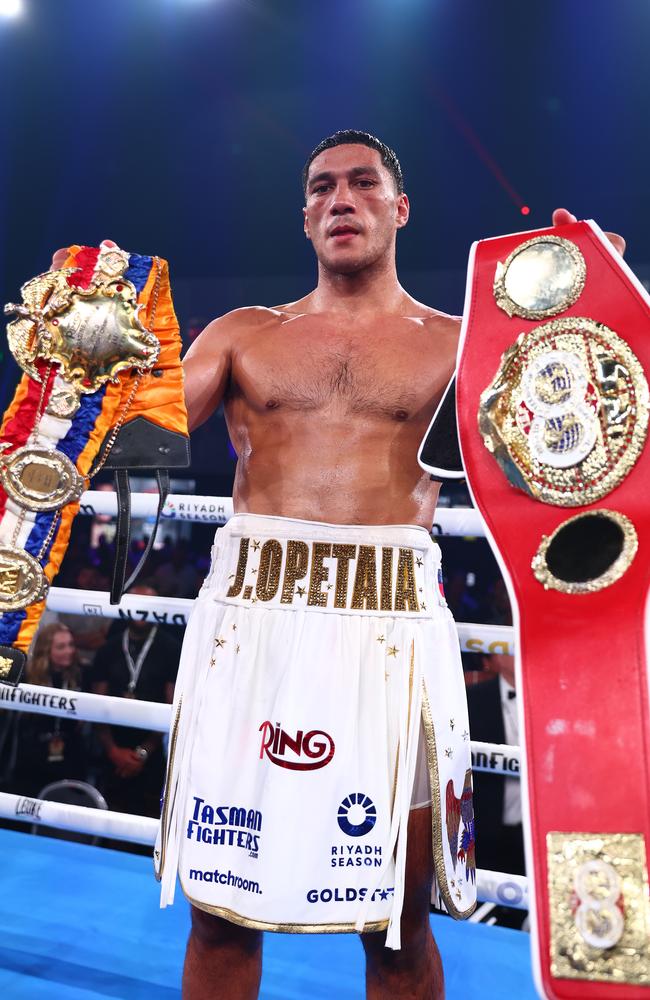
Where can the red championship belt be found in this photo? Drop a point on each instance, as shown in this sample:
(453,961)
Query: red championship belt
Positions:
(552,406)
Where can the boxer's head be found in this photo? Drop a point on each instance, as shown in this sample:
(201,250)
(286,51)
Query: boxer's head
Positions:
(354,201)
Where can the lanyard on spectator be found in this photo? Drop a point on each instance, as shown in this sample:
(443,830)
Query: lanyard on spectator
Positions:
(135,668)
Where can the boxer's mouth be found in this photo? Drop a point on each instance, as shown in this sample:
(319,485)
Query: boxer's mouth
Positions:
(344,231)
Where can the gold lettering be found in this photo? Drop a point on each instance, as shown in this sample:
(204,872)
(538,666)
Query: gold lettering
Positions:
(499,646)
(295,568)
(238,582)
(9,580)
(268,575)
(474,645)
(386,579)
(342,554)
(38,477)
(319,574)
(364,594)
(405,590)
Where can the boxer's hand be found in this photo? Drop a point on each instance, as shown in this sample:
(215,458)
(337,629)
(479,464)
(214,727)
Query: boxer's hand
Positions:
(60,256)
(562,218)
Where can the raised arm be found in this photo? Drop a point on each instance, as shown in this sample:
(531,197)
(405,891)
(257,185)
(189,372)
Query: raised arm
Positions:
(207,370)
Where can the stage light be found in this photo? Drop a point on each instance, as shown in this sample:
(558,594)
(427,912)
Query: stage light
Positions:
(11,8)
(525,210)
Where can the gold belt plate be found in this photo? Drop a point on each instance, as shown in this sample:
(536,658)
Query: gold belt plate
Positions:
(40,479)
(22,580)
(598,904)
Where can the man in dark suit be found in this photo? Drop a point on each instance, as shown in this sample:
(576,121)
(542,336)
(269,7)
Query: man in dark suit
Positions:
(497,800)
(140,662)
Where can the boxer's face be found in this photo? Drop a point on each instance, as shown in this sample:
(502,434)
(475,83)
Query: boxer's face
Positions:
(352,209)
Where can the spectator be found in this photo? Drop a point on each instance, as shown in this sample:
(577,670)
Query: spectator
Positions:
(89,631)
(492,708)
(142,663)
(50,748)
(178,577)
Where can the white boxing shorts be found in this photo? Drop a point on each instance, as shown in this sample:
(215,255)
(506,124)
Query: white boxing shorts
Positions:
(313,658)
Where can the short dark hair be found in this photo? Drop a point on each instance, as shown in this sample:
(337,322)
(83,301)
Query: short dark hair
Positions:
(350,136)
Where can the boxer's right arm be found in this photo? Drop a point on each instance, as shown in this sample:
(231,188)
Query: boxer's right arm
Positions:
(207,369)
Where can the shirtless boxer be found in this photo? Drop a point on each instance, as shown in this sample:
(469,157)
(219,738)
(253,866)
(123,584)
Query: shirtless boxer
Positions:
(327,400)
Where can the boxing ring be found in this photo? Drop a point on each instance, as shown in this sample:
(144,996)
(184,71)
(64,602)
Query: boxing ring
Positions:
(83,922)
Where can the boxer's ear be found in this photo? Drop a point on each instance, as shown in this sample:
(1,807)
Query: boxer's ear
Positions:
(439,452)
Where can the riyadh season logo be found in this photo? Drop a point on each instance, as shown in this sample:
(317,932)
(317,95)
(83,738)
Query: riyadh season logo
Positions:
(357,815)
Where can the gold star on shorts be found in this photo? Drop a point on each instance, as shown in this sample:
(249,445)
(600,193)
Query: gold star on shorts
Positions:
(392,650)
(449,752)
(237,648)
(418,562)
(220,642)
(234,628)
(381,638)
(212,661)
(451,724)
(256,545)
(301,591)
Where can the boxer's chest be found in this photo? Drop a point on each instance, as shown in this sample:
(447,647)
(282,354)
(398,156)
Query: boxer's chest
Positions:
(388,368)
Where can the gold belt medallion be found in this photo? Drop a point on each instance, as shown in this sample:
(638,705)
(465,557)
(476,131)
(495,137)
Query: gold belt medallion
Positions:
(566,415)
(542,277)
(93,333)
(22,580)
(40,479)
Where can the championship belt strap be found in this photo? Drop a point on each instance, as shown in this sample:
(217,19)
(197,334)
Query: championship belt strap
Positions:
(99,344)
(552,404)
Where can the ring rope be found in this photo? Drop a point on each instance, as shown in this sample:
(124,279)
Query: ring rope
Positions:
(493,887)
(176,611)
(80,819)
(87,707)
(156,717)
(456,521)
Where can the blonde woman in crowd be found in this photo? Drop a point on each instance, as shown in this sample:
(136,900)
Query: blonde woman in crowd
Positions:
(49,748)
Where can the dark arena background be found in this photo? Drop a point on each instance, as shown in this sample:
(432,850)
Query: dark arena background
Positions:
(179,128)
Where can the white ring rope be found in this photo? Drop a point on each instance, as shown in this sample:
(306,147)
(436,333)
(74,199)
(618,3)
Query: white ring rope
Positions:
(493,887)
(156,717)
(86,707)
(80,819)
(458,521)
(176,611)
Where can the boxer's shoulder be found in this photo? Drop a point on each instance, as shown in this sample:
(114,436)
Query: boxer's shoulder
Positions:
(439,322)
